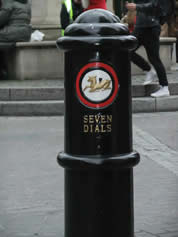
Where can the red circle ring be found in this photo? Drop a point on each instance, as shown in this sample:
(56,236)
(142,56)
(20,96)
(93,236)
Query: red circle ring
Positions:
(116,83)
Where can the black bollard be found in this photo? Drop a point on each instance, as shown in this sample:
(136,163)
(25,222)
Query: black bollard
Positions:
(98,155)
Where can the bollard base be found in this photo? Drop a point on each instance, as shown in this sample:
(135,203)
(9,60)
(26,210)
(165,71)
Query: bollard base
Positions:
(99,195)
(99,203)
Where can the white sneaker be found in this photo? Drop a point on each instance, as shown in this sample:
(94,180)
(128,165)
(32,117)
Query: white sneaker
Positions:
(162,92)
(150,76)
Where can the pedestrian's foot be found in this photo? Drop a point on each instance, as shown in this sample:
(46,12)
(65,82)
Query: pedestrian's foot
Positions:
(150,76)
(162,92)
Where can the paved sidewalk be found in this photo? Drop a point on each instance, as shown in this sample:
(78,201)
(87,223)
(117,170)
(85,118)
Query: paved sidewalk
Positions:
(32,184)
(156,177)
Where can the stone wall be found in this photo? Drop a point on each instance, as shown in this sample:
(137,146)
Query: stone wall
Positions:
(45,12)
(45,15)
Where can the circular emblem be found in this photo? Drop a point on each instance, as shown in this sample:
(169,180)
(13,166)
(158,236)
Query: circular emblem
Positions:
(97,85)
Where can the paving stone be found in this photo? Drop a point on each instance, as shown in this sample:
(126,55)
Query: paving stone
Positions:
(173,87)
(25,94)
(167,104)
(31,108)
(143,105)
(171,234)
(43,83)
(138,91)
(4,94)
(145,234)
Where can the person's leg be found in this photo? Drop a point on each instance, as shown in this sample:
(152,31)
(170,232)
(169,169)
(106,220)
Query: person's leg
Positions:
(139,61)
(136,58)
(1,60)
(152,45)
(3,69)
(177,50)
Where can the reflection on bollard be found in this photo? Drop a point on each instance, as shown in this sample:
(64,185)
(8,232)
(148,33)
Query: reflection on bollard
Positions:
(98,155)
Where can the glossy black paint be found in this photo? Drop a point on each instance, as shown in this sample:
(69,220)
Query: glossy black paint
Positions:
(99,203)
(98,165)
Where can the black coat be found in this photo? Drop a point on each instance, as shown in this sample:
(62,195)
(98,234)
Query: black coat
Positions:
(152,13)
(64,15)
(15,17)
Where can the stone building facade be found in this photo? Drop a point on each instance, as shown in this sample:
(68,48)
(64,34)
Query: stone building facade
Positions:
(45,16)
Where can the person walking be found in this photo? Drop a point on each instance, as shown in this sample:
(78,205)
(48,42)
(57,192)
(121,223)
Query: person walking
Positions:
(147,31)
(130,19)
(70,10)
(92,4)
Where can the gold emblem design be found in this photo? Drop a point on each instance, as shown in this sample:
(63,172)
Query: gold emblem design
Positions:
(97,86)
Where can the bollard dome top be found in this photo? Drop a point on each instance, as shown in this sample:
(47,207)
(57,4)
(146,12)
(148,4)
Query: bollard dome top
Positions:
(97,16)
(97,28)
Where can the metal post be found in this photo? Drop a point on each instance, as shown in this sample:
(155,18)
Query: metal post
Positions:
(98,155)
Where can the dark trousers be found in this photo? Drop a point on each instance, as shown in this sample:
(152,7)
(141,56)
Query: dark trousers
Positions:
(140,62)
(2,61)
(177,51)
(3,67)
(149,38)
